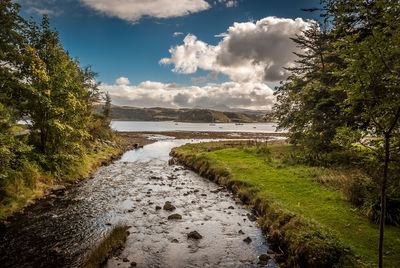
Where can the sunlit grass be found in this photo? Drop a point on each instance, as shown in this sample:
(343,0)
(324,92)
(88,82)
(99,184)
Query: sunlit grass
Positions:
(295,188)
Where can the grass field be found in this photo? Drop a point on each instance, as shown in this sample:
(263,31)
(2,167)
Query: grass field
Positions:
(294,188)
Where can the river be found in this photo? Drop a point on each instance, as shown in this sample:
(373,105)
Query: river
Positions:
(159,126)
(58,230)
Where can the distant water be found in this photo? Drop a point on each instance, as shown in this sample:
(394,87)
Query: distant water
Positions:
(151,126)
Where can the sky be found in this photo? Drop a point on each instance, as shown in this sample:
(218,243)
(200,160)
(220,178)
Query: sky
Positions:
(218,54)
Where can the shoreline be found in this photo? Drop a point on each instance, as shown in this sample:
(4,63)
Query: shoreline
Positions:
(279,225)
(113,151)
(131,140)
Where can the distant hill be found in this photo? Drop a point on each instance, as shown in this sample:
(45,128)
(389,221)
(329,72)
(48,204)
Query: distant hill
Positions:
(184,115)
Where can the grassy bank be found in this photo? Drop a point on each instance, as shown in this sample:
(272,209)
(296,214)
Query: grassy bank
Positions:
(311,225)
(112,243)
(31,182)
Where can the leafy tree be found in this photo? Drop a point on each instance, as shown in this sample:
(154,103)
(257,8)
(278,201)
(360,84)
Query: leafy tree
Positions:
(57,97)
(11,42)
(368,37)
(308,103)
(107,111)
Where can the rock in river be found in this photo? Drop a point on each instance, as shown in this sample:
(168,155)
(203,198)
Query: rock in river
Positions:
(168,206)
(247,240)
(194,235)
(174,217)
(263,259)
(251,217)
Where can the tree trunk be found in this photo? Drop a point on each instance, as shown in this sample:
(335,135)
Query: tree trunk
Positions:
(383,198)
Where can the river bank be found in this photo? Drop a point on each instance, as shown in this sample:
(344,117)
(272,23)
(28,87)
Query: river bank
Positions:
(138,191)
(43,184)
(305,222)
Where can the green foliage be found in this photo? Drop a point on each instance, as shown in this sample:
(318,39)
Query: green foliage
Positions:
(314,222)
(346,87)
(39,80)
(308,104)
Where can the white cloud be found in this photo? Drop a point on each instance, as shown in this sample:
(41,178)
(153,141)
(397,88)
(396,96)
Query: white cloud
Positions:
(122,81)
(177,33)
(248,52)
(133,10)
(41,7)
(228,3)
(229,95)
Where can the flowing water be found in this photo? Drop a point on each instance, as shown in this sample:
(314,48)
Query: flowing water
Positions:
(162,126)
(58,230)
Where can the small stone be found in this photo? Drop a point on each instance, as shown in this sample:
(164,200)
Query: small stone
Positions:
(247,240)
(241,232)
(251,217)
(174,240)
(203,195)
(231,207)
(158,207)
(133,264)
(125,260)
(168,206)
(108,223)
(175,217)
(194,235)
(264,257)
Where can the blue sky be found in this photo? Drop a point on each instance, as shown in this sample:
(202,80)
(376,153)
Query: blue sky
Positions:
(128,39)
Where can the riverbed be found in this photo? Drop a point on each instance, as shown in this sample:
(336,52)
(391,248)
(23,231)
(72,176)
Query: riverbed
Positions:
(59,230)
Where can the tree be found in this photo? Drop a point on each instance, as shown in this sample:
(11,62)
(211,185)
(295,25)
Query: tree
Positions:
(308,103)
(368,37)
(11,41)
(57,97)
(107,111)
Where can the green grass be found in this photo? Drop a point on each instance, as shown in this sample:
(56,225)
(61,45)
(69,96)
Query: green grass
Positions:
(30,182)
(113,242)
(295,189)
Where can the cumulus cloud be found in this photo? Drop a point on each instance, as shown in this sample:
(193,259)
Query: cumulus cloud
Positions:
(248,52)
(133,10)
(122,81)
(229,94)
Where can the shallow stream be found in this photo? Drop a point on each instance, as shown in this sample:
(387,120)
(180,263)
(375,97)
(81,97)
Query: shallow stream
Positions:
(58,230)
